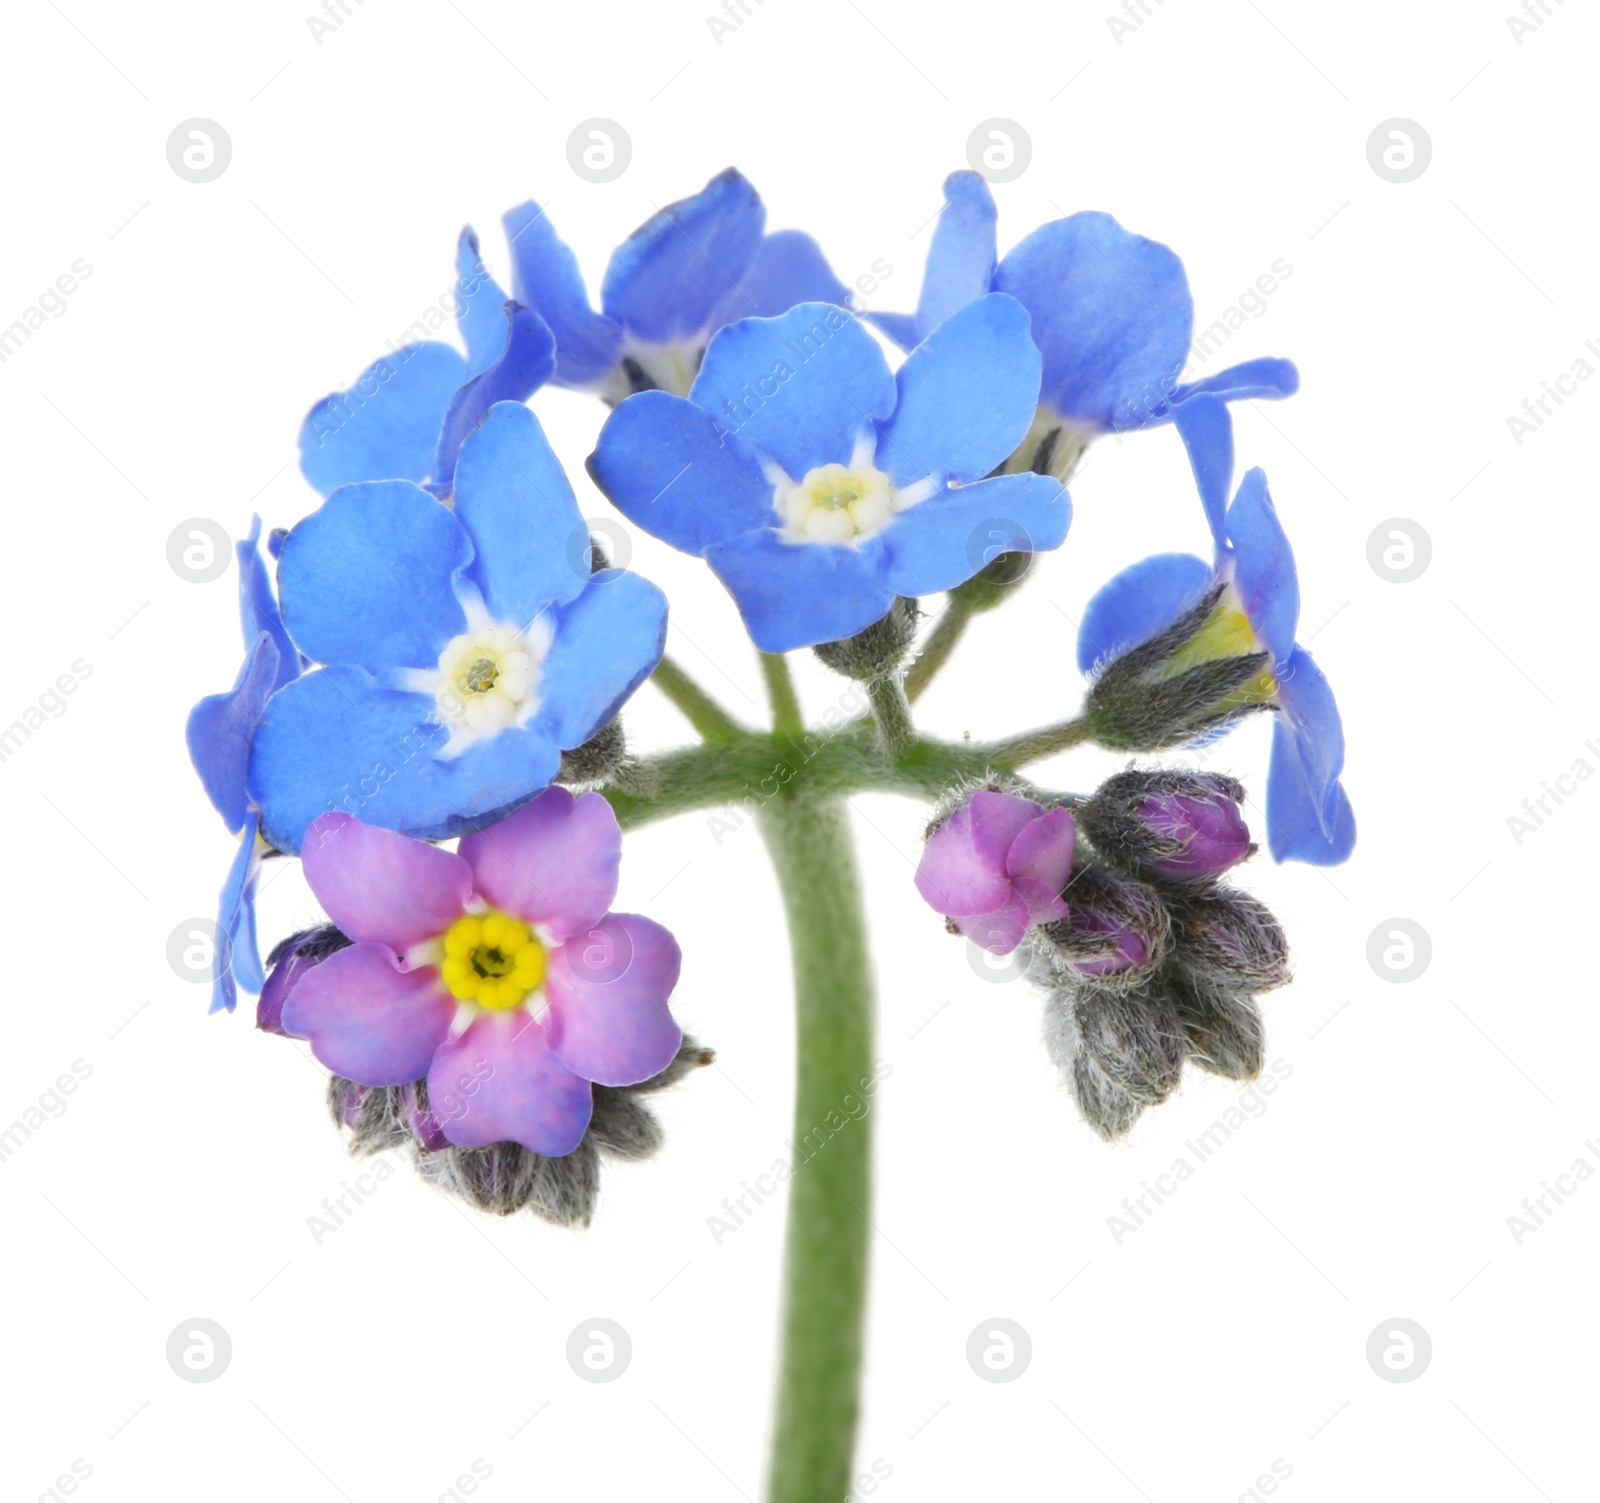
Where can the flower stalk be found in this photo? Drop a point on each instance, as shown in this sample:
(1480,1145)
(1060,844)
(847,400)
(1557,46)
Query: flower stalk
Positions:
(825,1258)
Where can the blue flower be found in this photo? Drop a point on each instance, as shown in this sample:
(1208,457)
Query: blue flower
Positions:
(696,265)
(1111,314)
(406,417)
(220,730)
(464,648)
(818,485)
(1309,817)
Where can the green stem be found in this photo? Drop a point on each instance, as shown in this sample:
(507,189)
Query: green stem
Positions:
(702,711)
(825,1258)
(1034,746)
(942,640)
(786,719)
(896,733)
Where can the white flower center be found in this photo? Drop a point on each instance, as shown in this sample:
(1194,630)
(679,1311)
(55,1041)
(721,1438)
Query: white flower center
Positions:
(488,680)
(834,504)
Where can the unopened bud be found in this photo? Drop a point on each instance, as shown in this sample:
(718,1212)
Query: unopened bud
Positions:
(877,650)
(1102,1103)
(1223,1030)
(1115,931)
(1229,938)
(289,961)
(1195,676)
(1176,826)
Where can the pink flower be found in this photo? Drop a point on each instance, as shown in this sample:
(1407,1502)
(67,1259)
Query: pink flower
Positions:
(498,974)
(997,866)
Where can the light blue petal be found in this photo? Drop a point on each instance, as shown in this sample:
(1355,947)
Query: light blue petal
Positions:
(1206,429)
(545,277)
(788,268)
(236,960)
(369,577)
(513,498)
(220,728)
(245,950)
(800,386)
(258,605)
(1264,572)
(338,740)
(386,426)
(961,258)
(666,280)
(900,327)
(525,364)
(607,642)
(1111,314)
(480,305)
(1295,830)
(943,541)
(798,594)
(968,394)
(1268,377)
(1309,741)
(669,467)
(1139,602)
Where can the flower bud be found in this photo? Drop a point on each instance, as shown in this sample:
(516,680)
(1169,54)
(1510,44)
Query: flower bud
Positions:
(506,1177)
(1175,826)
(1230,939)
(1120,1050)
(993,583)
(1199,674)
(1115,929)
(877,650)
(1222,1029)
(996,866)
(289,961)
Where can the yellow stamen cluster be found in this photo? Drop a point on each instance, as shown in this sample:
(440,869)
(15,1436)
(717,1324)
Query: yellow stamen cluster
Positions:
(1226,633)
(492,959)
(836,505)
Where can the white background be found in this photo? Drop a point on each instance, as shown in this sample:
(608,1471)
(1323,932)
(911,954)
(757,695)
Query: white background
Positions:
(1230,1329)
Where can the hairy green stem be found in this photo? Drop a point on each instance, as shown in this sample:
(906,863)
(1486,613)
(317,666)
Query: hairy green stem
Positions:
(702,711)
(786,719)
(947,632)
(1034,746)
(825,1256)
(896,734)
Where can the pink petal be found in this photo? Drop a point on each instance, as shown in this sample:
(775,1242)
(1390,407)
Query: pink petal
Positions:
(382,887)
(950,876)
(554,862)
(608,993)
(1043,902)
(1040,861)
(499,1082)
(997,820)
(999,932)
(367,1019)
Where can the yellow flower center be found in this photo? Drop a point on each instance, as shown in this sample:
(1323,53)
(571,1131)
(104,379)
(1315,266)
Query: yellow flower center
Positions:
(1226,633)
(488,680)
(837,505)
(492,959)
